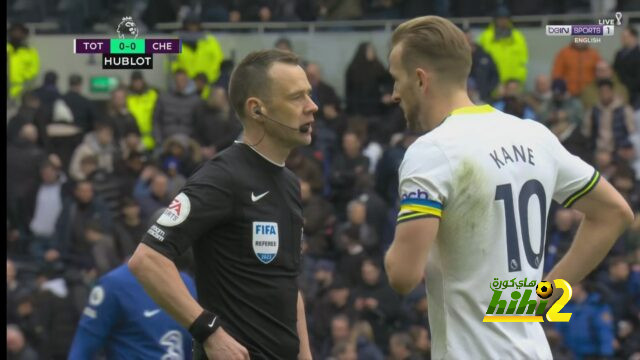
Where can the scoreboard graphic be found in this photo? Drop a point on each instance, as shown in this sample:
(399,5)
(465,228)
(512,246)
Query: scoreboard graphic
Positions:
(127,53)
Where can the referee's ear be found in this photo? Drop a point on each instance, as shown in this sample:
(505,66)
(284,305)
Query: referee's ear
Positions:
(253,109)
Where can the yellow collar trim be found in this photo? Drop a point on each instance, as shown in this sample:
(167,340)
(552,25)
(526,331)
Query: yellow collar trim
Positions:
(475,109)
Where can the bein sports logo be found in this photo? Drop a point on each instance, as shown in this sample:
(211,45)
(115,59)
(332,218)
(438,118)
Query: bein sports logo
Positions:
(418,194)
(521,302)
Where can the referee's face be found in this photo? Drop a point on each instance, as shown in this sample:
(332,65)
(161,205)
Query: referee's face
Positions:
(291,105)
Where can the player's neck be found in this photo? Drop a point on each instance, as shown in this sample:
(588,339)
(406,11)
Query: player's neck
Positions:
(442,106)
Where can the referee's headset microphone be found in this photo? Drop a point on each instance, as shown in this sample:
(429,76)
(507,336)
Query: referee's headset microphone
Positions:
(304,129)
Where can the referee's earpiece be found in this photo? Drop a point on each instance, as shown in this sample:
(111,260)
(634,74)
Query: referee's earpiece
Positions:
(257,111)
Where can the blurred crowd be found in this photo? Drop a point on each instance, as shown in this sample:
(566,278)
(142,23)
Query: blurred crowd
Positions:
(85,180)
(79,16)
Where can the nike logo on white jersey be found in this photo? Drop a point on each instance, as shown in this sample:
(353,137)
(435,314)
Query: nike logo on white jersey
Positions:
(150,313)
(214,319)
(256,198)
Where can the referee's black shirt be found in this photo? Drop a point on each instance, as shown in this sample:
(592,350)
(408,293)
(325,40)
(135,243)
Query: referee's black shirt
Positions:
(243,216)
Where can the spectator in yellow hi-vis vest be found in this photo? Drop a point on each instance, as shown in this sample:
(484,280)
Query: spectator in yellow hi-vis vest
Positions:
(201,52)
(23,61)
(141,101)
(507,46)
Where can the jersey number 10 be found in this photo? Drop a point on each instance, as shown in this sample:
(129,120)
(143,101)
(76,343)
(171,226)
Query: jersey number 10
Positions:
(504,193)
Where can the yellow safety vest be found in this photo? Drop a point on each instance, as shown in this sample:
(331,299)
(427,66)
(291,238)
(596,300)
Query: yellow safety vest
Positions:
(141,107)
(510,54)
(24,65)
(205,58)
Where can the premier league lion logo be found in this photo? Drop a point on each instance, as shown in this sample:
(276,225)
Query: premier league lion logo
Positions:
(127,28)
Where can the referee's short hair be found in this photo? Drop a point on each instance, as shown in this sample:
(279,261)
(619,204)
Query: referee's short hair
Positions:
(250,78)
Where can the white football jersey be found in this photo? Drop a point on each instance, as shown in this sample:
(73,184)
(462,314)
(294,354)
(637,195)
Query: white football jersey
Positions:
(490,177)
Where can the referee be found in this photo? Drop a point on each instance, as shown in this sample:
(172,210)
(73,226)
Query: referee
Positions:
(241,212)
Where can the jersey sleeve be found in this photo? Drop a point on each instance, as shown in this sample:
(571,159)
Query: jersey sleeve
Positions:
(204,202)
(85,345)
(103,310)
(575,177)
(424,177)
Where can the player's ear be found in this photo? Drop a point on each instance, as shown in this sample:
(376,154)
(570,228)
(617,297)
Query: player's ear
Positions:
(421,79)
(421,76)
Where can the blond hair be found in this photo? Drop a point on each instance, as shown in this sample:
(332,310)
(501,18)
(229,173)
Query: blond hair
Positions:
(437,44)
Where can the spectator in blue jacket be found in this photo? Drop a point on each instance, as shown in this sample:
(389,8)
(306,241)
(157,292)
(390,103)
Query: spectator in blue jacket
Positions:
(590,333)
(483,69)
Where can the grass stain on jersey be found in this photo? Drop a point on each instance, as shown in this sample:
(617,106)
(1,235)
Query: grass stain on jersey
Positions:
(464,216)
